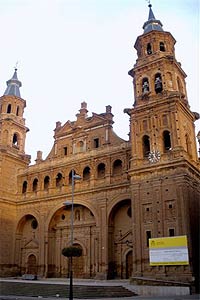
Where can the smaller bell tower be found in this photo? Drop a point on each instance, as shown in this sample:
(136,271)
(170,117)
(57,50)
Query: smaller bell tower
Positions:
(13,129)
(12,134)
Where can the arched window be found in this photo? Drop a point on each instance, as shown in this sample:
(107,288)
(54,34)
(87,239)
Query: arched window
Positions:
(145,85)
(59,179)
(15,141)
(162,47)
(17,111)
(24,187)
(117,167)
(149,50)
(9,109)
(146,145)
(35,185)
(166,140)
(158,83)
(46,182)
(34,223)
(101,170)
(86,173)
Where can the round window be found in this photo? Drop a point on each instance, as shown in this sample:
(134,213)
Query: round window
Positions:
(34,224)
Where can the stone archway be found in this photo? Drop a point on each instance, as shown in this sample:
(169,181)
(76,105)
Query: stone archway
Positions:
(84,236)
(27,244)
(119,239)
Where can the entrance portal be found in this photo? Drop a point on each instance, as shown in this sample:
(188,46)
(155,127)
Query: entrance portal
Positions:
(32,266)
(129,264)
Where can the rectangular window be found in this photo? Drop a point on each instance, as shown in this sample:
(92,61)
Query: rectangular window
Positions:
(96,143)
(65,150)
(148,236)
(171,232)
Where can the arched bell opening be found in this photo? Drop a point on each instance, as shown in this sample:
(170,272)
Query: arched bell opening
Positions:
(158,83)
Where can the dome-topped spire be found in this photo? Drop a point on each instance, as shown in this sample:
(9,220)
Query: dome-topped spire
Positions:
(152,23)
(13,86)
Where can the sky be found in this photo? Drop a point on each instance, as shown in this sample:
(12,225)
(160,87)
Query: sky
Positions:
(70,51)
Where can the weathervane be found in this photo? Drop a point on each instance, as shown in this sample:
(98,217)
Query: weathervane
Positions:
(16,65)
(149,2)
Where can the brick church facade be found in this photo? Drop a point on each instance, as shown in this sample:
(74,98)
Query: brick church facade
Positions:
(130,191)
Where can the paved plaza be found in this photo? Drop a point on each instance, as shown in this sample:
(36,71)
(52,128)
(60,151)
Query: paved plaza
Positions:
(189,297)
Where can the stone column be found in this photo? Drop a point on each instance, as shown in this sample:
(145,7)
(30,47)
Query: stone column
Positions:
(41,262)
(137,245)
(46,255)
(103,240)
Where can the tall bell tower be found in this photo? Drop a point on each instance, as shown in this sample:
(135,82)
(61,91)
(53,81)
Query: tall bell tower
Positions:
(164,168)
(12,159)
(161,105)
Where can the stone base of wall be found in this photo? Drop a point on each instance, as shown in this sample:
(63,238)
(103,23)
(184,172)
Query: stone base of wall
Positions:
(8,270)
(155,287)
(153,281)
(101,276)
(161,290)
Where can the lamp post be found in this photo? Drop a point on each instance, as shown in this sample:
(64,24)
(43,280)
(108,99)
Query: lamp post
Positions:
(74,177)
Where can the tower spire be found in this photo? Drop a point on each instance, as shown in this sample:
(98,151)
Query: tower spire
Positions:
(13,85)
(152,23)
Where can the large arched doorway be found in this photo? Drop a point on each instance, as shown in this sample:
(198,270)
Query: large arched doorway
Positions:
(120,241)
(84,236)
(27,245)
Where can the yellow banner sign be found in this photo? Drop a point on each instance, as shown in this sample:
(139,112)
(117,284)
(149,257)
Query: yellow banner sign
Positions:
(168,251)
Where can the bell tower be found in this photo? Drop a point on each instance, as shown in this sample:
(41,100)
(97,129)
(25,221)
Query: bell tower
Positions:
(164,168)
(161,119)
(12,159)
(13,129)
(12,134)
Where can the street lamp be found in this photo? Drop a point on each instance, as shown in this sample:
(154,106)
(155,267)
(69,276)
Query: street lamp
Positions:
(74,177)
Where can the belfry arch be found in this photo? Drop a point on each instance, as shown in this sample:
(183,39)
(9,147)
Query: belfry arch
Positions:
(120,240)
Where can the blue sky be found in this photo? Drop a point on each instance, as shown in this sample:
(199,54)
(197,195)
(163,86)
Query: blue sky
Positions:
(71,51)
